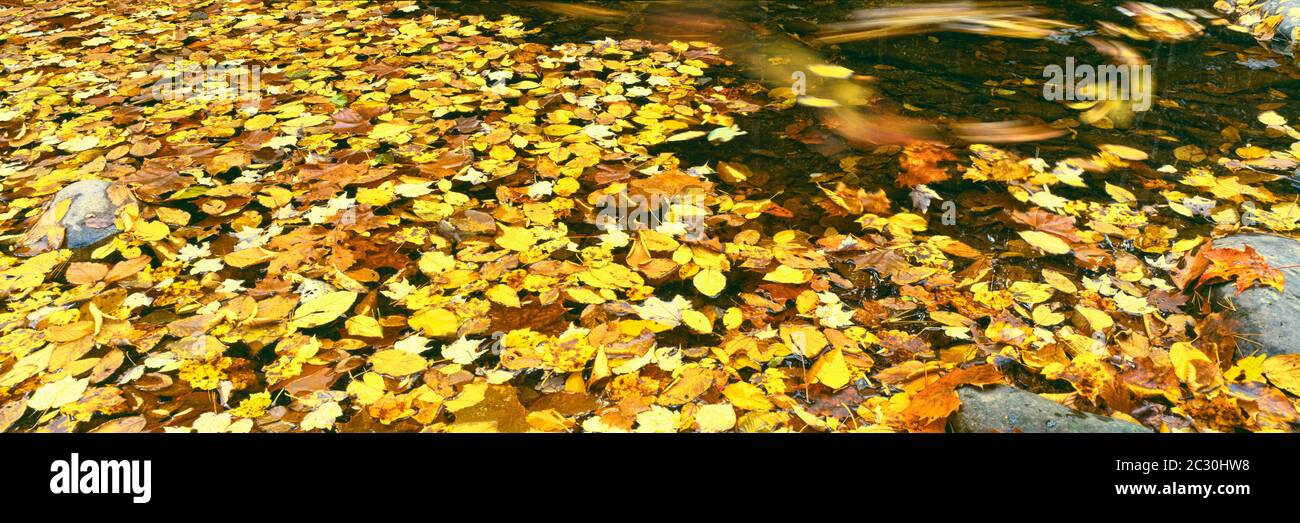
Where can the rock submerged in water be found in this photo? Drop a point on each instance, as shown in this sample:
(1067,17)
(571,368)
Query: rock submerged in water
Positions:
(1002,408)
(1269,321)
(81,215)
(90,218)
(1284,40)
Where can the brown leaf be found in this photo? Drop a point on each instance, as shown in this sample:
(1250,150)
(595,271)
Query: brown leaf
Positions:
(84,273)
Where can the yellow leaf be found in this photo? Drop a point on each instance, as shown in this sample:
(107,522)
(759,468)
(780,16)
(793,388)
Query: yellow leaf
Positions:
(831,370)
(697,321)
(830,71)
(502,152)
(1059,281)
(710,282)
(805,340)
(1271,118)
(323,417)
(435,322)
(1043,316)
(690,70)
(1099,320)
(1124,152)
(1048,243)
(57,394)
(248,257)
(1193,367)
(812,101)
(1030,292)
(261,121)
(716,418)
(32,272)
(386,130)
(732,318)
(1252,152)
(787,274)
(368,389)
(1120,194)
(78,144)
(394,362)
(323,309)
(516,238)
(378,196)
(364,326)
(733,173)
(150,231)
(471,395)
(503,295)
(688,135)
(560,129)
(1283,372)
(584,295)
(747,396)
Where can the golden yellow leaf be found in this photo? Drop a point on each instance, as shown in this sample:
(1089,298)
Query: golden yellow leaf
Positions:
(812,101)
(1045,317)
(1059,281)
(831,370)
(805,340)
(323,417)
(1099,320)
(516,238)
(732,318)
(1120,194)
(323,309)
(1193,367)
(830,71)
(747,396)
(697,321)
(1124,152)
(368,389)
(386,130)
(261,121)
(377,196)
(395,362)
(716,418)
(503,295)
(364,326)
(584,295)
(150,231)
(1283,371)
(787,274)
(688,135)
(1049,243)
(560,129)
(502,152)
(709,282)
(435,322)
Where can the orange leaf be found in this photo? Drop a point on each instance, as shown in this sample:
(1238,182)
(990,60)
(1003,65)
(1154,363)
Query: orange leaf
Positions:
(939,399)
(920,164)
(1245,266)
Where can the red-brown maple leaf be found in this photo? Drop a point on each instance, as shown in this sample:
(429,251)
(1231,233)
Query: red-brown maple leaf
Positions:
(1245,266)
(920,164)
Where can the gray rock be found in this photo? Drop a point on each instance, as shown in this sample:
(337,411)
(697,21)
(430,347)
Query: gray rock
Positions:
(1269,321)
(1284,41)
(90,218)
(467,223)
(1001,408)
